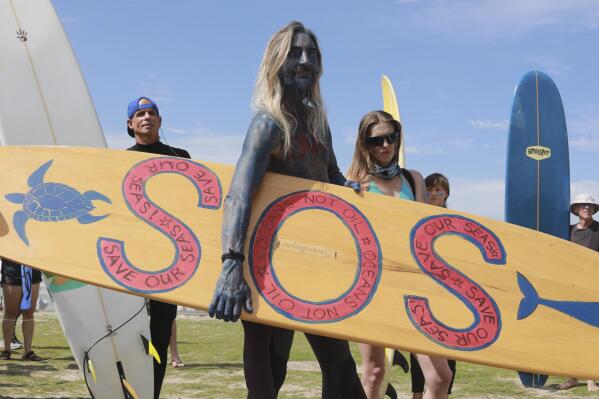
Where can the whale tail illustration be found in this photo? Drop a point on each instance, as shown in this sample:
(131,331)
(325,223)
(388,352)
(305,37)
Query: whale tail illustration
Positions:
(529,303)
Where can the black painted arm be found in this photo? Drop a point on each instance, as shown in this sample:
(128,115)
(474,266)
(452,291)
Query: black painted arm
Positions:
(262,137)
(231,291)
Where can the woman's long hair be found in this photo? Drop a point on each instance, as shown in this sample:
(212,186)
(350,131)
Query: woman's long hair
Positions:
(268,91)
(362,162)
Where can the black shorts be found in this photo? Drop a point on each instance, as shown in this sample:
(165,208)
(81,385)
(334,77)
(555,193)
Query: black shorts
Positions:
(11,273)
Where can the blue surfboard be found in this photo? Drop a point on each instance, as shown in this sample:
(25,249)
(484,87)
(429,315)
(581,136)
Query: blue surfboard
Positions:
(537,188)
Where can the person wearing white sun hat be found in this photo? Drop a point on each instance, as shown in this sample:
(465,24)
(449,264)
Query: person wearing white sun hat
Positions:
(583,200)
(586,233)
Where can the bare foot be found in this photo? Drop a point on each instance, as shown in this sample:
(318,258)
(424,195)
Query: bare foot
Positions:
(569,383)
(591,386)
(177,363)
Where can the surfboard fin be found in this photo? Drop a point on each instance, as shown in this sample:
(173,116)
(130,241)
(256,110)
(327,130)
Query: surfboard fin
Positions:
(400,360)
(129,389)
(529,303)
(530,380)
(390,392)
(91,370)
(150,349)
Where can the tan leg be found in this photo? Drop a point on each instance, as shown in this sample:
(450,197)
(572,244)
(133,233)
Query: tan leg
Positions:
(373,369)
(12,301)
(569,383)
(28,322)
(177,362)
(437,376)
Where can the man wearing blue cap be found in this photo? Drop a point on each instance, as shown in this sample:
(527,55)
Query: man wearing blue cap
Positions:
(143,124)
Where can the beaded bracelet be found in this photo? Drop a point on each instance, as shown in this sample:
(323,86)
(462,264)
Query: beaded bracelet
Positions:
(232,255)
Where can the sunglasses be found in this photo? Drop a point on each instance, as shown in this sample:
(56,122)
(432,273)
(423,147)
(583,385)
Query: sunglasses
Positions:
(378,141)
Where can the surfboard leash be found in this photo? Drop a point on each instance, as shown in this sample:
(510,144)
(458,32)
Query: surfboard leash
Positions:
(88,365)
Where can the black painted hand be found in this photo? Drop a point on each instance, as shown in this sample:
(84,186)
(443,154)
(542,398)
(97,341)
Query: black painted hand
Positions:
(231,294)
(354,185)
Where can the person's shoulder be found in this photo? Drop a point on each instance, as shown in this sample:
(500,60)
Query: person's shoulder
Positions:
(417,176)
(181,152)
(595,225)
(264,120)
(263,128)
(414,172)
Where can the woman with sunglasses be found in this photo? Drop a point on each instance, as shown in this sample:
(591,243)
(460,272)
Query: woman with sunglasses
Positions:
(375,166)
(437,192)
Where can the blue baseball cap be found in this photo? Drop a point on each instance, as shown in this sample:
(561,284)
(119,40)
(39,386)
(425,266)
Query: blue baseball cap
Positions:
(136,105)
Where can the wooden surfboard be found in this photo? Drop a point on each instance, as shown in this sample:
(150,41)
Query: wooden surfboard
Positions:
(320,258)
(537,192)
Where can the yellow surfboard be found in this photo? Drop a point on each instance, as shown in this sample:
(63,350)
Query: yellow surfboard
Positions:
(320,258)
(391,106)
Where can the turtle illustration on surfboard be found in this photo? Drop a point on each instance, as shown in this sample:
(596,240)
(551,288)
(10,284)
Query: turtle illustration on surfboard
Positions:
(53,202)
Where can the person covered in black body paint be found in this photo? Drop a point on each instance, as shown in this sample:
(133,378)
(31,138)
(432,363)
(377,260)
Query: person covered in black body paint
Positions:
(143,124)
(289,134)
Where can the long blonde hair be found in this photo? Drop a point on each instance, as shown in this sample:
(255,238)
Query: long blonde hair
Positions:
(362,162)
(268,91)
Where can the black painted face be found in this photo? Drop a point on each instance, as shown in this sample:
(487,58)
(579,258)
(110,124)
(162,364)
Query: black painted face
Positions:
(299,71)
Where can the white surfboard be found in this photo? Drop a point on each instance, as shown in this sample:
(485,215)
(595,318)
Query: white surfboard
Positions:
(44,100)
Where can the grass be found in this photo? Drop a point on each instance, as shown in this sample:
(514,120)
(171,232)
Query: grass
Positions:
(213,368)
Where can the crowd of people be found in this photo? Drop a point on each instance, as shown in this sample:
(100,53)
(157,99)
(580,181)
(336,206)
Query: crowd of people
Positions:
(289,134)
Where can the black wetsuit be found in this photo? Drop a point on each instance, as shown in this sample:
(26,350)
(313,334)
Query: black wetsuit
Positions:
(265,354)
(162,314)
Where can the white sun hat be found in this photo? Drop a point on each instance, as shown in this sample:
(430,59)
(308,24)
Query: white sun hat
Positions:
(584,199)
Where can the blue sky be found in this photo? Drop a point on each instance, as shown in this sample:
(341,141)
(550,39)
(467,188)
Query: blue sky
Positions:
(454,65)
